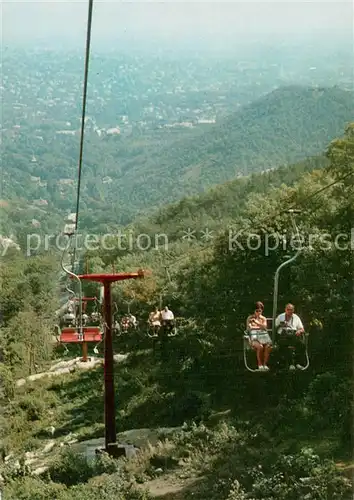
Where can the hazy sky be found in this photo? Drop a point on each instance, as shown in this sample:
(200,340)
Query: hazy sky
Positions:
(65,21)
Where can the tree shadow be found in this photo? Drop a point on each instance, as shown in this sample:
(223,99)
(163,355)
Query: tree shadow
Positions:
(167,387)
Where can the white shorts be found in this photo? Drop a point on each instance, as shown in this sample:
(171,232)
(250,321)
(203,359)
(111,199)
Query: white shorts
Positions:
(260,336)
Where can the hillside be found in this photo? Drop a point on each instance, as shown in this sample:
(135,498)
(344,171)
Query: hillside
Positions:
(207,428)
(225,202)
(280,128)
(214,209)
(139,172)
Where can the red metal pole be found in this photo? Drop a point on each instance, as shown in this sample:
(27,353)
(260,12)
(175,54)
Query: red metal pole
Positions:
(84,352)
(110,414)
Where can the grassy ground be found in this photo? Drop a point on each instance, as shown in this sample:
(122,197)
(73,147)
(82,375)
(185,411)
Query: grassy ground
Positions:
(151,394)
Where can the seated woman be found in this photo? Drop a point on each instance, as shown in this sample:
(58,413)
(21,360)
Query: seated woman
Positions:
(259,338)
(155,320)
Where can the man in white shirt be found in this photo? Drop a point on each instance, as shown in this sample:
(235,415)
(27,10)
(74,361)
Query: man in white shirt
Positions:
(290,332)
(167,314)
(290,320)
(168,320)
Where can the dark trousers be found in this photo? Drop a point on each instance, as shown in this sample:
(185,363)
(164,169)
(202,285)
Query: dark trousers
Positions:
(167,327)
(291,349)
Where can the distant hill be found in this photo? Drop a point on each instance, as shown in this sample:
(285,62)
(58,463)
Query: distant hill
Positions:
(128,176)
(221,205)
(283,127)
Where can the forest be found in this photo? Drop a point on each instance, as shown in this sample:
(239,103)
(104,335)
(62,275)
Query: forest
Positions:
(216,431)
(122,173)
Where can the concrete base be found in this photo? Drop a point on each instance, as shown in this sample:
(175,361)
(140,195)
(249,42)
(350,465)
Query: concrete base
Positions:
(117,450)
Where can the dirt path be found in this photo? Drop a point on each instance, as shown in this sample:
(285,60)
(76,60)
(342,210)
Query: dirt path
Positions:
(68,366)
(170,487)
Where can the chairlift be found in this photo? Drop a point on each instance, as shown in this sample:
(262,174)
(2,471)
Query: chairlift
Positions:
(115,321)
(76,332)
(271,322)
(153,332)
(126,322)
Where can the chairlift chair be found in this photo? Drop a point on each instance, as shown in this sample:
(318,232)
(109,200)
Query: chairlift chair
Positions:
(273,330)
(78,333)
(153,331)
(125,323)
(115,321)
(172,286)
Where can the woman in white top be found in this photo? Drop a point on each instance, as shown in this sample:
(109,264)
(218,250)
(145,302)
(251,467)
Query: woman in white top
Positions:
(155,320)
(155,317)
(259,338)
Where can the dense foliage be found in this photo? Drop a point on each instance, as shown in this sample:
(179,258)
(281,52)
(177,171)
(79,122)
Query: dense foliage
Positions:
(28,301)
(216,286)
(282,430)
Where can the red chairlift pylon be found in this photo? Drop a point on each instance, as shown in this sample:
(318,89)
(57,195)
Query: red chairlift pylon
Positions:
(106,280)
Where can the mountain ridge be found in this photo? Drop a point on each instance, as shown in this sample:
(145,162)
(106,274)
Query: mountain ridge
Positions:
(281,128)
(242,144)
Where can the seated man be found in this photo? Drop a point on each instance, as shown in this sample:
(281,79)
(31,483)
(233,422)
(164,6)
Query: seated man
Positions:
(290,331)
(68,318)
(85,319)
(168,320)
(259,338)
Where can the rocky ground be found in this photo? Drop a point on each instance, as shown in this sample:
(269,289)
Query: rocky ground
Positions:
(39,461)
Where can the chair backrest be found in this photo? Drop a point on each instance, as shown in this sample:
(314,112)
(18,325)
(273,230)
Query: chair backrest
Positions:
(270,324)
(69,335)
(90,334)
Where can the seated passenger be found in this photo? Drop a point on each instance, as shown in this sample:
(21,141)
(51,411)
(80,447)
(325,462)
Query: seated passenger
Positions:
(125,323)
(132,320)
(71,306)
(155,318)
(168,320)
(259,338)
(68,318)
(290,332)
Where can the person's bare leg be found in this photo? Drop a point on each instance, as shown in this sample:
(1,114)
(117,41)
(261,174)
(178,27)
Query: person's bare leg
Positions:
(259,351)
(267,351)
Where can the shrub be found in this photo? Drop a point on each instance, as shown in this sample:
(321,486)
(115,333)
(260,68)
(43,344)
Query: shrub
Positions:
(30,488)
(72,468)
(105,487)
(7,384)
(304,476)
(33,408)
(328,397)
